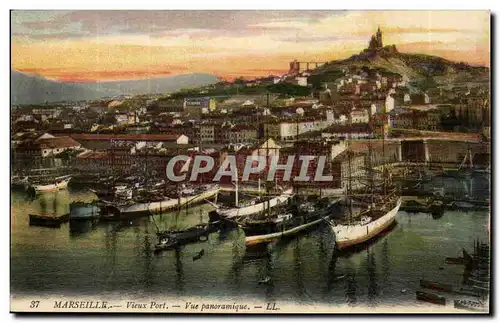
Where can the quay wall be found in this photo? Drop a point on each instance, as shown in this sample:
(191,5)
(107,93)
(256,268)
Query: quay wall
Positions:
(441,151)
(428,150)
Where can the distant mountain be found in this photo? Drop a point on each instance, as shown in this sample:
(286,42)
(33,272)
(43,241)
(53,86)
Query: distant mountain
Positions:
(160,85)
(34,89)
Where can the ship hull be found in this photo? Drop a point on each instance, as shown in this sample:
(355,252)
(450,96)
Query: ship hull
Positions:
(350,235)
(256,208)
(83,211)
(48,220)
(140,209)
(267,238)
(51,187)
(313,219)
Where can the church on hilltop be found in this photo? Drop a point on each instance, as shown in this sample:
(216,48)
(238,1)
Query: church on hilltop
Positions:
(376,41)
(377,46)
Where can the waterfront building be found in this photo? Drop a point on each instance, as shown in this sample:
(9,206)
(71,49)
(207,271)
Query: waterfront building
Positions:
(47,146)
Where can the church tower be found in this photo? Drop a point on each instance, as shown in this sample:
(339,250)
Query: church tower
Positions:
(379,38)
(376,41)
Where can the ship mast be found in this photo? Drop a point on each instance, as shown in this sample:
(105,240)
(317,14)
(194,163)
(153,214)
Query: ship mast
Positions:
(266,137)
(383,158)
(371,174)
(349,187)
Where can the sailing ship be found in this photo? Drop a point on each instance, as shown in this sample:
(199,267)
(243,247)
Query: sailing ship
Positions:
(367,223)
(378,213)
(284,216)
(290,221)
(145,194)
(255,206)
(150,202)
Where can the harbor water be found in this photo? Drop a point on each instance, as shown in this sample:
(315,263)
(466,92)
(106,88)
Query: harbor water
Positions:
(113,258)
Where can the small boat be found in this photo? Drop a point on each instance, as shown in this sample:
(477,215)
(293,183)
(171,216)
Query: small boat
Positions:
(430,298)
(52,221)
(339,277)
(462,206)
(170,238)
(468,291)
(58,183)
(19,181)
(475,306)
(481,282)
(165,243)
(481,288)
(436,286)
(112,192)
(199,255)
(436,208)
(455,260)
(413,206)
(265,280)
(83,211)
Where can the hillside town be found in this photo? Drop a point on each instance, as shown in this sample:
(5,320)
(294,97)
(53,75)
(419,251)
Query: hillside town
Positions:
(362,103)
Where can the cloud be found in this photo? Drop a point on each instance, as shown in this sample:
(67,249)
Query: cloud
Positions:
(153,23)
(229,43)
(93,76)
(315,39)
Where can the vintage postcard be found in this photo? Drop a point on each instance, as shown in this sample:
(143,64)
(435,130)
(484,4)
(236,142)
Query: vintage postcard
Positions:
(246,162)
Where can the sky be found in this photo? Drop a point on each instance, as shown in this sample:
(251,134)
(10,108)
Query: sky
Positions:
(92,46)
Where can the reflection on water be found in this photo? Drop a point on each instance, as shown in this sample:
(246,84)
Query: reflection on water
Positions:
(90,258)
(80,228)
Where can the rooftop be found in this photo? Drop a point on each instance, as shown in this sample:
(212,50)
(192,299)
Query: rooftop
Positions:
(56,142)
(127,137)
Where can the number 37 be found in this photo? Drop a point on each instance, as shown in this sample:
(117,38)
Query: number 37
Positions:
(34,304)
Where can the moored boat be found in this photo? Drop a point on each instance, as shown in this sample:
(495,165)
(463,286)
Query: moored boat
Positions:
(368,224)
(172,238)
(50,220)
(52,185)
(381,205)
(470,305)
(431,298)
(118,210)
(165,243)
(286,224)
(255,208)
(436,208)
(19,181)
(83,211)
(436,285)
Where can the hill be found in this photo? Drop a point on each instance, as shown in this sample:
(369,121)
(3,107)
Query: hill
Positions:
(418,68)
(34,89)
(161,85)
